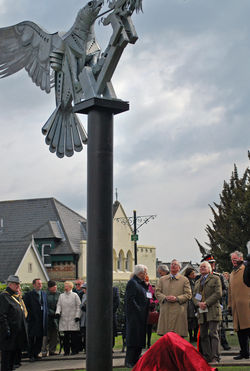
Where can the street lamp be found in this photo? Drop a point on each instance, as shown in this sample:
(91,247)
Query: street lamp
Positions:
(133,221)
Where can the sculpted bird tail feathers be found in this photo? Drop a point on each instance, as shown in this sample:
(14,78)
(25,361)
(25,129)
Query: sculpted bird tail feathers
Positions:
(64,133)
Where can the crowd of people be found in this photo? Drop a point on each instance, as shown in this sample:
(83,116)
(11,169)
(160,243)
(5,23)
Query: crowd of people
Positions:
(36,322)
(190,304)
(185,304)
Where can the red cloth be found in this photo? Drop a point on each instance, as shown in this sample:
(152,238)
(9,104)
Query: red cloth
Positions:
(172,353)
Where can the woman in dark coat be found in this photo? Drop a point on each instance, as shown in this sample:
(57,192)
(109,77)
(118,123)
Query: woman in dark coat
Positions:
(136,312)
(12,326)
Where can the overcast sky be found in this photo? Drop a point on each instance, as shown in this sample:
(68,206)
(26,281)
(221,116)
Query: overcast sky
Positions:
(188,83)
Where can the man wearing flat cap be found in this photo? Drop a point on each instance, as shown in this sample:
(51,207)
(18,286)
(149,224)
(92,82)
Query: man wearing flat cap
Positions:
(50,341)
(12,323)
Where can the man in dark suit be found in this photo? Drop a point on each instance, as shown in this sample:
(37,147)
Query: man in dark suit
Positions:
(12,323)
(136,312)
(36,304)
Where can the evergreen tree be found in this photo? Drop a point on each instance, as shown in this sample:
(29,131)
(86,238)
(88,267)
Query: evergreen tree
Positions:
(230,227)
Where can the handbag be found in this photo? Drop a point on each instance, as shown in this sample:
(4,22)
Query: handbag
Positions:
(153,317)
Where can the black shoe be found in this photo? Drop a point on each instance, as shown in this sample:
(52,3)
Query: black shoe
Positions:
(66,354)
(128,365)
(240,357)
(74,353)
(226,347)
(32,359)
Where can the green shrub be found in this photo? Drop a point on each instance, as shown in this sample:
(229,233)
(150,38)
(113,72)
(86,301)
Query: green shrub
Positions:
(120,312)
(2,286)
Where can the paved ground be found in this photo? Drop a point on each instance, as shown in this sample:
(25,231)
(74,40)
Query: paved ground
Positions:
(60,363)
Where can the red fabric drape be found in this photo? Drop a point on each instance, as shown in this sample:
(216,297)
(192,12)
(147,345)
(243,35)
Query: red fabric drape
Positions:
(172,353)
(198,339)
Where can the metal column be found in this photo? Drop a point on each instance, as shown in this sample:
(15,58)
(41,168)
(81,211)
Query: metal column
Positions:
(100,229)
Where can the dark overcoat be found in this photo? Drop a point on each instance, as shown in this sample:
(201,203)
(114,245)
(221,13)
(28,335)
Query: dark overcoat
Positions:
(12,322)
(136,312)
(52,299)
(116,303)
(246,274)
(37,313)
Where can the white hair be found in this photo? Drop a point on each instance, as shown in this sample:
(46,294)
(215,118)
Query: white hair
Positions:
(208,265)
(140,268)
(163,268)
(177,262)
(238,253)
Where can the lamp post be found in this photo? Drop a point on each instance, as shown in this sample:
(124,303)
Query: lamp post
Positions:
(133,221)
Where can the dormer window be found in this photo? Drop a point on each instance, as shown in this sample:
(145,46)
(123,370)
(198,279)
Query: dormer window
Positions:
(46,258)
(1,225)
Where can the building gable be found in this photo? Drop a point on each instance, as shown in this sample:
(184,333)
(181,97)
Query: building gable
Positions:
(18,258)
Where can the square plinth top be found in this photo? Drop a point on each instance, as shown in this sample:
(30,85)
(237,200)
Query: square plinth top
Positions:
(114,106)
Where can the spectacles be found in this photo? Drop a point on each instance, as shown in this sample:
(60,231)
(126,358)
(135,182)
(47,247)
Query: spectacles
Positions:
(78,284)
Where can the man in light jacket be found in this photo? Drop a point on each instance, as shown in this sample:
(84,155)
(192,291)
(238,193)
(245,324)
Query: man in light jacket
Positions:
(173,292)
(238,303)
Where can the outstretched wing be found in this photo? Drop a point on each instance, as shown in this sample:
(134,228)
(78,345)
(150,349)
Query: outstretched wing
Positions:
(26,45)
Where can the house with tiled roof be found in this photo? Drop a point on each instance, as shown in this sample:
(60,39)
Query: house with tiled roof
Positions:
(57,231)
(60,236)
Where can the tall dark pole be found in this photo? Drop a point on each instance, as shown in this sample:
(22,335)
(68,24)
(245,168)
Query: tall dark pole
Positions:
(100,229)
(135,241)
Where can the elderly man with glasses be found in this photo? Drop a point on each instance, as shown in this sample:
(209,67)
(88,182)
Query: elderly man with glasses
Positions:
(12,323)
(79,288)
(206,297)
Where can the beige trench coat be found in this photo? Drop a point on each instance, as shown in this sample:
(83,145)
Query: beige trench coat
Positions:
(173,316)
(239,299)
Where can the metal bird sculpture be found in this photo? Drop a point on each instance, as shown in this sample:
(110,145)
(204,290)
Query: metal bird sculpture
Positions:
(26,45)
(71,62)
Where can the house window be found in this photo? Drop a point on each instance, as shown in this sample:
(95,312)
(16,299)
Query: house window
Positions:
(46,258)
(114,260)
(128,262)
(29,267)
(120,261)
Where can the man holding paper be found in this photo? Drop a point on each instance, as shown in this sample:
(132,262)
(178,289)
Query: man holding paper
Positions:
(207,295)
